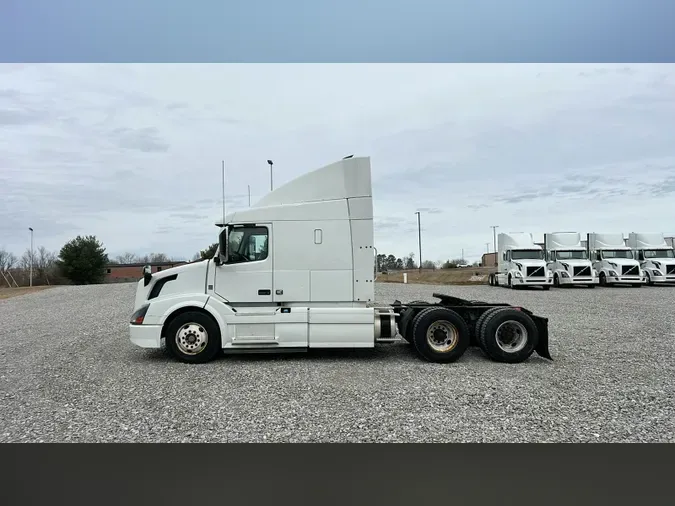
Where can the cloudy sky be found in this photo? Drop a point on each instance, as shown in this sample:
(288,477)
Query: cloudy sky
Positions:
(132,153)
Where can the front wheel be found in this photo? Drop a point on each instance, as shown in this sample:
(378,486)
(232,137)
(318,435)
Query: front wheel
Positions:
(193,337)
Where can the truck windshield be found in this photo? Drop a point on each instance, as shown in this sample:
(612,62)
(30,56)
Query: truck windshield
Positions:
(527,254)
(659,253)
(571,255)
(617,253)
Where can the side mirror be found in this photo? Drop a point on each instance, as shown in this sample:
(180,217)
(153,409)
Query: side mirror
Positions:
(147,274)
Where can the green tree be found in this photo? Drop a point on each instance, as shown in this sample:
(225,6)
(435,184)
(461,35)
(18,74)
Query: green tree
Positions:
(83,260)
(208,253)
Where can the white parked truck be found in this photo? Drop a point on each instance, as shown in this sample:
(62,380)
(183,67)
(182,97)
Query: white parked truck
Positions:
(613,260)
(656,257)
(520,262)
(296,272)
(568,260)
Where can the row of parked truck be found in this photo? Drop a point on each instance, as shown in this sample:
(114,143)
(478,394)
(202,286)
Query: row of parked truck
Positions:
(564,259)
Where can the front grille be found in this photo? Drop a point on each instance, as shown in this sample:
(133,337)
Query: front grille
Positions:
(630,270)
(582,271)
(535,271)
(670,269)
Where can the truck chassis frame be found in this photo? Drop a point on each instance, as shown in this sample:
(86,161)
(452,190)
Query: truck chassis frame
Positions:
(505,333)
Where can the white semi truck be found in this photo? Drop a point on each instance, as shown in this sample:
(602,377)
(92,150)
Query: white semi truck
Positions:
(296,272)
(656,257)
(613,260)
(568,260)
(520,262)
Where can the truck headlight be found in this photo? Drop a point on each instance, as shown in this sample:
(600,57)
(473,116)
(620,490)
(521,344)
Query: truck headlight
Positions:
(519,274)
(613,273)
(656,273)
(565,274)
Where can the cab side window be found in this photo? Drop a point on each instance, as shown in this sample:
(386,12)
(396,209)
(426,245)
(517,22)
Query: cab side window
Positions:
(247,244)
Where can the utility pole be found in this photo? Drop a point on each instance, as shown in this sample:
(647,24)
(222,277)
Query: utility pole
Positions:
(494,236)
(249,195)
(271,180)
(487,247)
(31,256)
(494,239)
(463,256)
(419,238)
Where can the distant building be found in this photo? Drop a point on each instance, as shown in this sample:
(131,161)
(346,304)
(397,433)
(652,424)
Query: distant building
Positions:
(120,273)
(488,260)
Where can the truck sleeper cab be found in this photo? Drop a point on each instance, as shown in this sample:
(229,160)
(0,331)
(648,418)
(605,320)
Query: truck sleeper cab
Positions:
(520,262)
(568,260)
(296,271)
(613,260)
(656,257)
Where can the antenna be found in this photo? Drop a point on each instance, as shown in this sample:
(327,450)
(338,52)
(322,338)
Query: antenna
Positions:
(224,212)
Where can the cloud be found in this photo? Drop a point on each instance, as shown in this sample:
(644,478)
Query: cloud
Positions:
(133,153)
(146,139)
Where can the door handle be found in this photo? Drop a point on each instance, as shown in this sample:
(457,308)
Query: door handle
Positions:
(264,292)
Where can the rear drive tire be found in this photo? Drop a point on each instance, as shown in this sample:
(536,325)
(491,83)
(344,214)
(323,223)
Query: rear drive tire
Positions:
(440,335)
(193,338)
(481,321)
(406,321)
(508,336)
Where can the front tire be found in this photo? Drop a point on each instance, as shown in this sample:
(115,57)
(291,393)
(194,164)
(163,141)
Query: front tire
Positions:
(440,335)
(193,338)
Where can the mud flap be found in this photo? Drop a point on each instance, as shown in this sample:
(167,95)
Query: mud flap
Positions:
(542,346)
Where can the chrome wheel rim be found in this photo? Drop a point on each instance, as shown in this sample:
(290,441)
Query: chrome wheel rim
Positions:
(511,336)
(442,336)
(191,338)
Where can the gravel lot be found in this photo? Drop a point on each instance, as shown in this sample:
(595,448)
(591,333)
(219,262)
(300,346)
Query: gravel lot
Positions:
(69,373)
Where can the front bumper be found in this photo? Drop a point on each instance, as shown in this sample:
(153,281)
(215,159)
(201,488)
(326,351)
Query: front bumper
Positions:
(146,336)
(630,280)
(531,281)
(670,278)
(578,281)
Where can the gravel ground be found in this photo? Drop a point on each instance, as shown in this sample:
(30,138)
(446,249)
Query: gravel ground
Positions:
(69,373)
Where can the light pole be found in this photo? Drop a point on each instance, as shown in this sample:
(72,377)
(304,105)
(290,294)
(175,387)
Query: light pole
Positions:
(249,195)
(31,256)
(494,239)
(419,237)
(271,164)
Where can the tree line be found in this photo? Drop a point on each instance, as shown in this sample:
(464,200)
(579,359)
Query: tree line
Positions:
(83,260)
(390,262)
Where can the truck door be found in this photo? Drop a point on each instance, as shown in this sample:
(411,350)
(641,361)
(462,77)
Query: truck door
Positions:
(506,264)
(247,276)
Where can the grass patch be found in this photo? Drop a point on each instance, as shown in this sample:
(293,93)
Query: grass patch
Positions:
(464,276)
(8,293)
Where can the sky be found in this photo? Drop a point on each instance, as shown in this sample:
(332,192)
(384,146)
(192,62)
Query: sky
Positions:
(344,31)
(132,153)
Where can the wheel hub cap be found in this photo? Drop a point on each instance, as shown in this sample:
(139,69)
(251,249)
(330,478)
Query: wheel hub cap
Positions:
(511,336)
(191,338)
(442,336)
